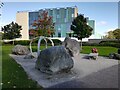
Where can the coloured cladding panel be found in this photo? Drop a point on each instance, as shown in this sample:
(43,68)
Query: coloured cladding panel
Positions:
(62,17)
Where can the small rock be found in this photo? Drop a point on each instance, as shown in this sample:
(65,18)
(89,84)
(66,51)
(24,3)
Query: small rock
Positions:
(111,55)
(117,56)
(31,55)
(20,50)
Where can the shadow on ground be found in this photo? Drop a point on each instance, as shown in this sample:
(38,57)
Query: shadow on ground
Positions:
(102,79)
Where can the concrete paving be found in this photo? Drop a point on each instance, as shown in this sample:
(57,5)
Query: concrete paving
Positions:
(107,78)
(100,73)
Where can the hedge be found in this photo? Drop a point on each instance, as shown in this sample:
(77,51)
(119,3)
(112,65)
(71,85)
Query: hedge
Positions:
(35,42)
(103,43)
(58,42)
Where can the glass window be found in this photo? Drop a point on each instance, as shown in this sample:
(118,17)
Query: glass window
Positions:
(58,16)
(65,13)
(65,20)
(72,15)
(51,12)
(72,10)
(59,34)
(58,11)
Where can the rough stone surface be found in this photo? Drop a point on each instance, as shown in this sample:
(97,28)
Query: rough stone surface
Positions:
(114,56)
(72,46)
(53,60)
(119,51)
(31,55)
(117,56)
(20,50)
(111,55)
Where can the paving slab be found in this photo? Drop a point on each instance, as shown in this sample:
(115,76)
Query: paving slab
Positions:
(85,73)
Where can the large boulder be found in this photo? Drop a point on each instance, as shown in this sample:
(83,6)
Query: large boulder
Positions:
(53,60)
(72,46)
(20,50)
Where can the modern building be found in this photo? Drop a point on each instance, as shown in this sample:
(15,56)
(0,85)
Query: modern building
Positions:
(91,23)
(62,17)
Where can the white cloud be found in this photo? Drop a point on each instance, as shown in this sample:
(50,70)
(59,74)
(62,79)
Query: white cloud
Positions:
(107,30)
(102,23)
(111,29)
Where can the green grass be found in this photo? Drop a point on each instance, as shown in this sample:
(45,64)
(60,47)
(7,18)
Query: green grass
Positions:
(13,74)
(34,48)
(102,50)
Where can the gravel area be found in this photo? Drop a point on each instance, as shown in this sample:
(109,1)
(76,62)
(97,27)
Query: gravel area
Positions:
(86,73)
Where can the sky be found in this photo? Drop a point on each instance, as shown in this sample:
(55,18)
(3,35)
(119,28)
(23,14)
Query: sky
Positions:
(105,14)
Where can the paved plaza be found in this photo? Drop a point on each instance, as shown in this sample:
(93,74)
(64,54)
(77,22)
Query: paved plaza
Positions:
(86,73)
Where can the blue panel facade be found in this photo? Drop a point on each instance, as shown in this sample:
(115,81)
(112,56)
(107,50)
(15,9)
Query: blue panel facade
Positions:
(91,23)
(32,16)
(62,17)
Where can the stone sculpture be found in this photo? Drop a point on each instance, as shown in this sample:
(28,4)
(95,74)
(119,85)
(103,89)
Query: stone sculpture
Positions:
(72,46)
(53,60)
(20,50)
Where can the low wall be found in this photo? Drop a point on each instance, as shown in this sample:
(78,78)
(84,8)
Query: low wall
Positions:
(99,40)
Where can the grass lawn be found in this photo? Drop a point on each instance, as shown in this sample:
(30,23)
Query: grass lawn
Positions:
(102,50)
(13,75)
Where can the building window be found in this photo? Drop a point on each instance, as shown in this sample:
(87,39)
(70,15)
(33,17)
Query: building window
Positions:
(58,16)
(57,11)
(65,19)
(64,13)
(72,15)
(59,34)
(51,12)
(72,10)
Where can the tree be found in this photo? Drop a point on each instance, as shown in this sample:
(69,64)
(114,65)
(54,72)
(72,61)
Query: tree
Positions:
(11,31)
(1,35)
(109,35)
(44,26)
(116,33)
(80,28)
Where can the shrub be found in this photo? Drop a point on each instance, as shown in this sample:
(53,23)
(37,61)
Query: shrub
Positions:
(119,51)
(57,41)
(22,42)
(8,42)
(110,43)
(90,44)
(104,43)
(1,42)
